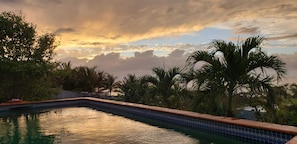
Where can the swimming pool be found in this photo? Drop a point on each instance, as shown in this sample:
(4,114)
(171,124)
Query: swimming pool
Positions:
(201,127)
(77,125)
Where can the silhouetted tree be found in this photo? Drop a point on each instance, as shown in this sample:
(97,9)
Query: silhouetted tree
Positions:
(110,83)
(164,83)
(229,67)
(25,59)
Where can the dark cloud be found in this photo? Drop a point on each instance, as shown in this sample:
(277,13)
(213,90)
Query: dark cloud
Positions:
(130,20)
(64,30)
(290,36)
(285,9)
(246,30)
(115,37)
(11,1)
(91,43)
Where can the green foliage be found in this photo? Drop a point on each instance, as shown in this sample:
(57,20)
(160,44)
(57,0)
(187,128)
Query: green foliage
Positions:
(24,59)
(81,79)
(231,69)
(164,89)
(134,89)
(84,79)
(164,85)
(285,110)
(110,83)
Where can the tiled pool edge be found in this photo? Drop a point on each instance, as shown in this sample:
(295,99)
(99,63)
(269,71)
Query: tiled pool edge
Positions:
(292,141)
(237,127)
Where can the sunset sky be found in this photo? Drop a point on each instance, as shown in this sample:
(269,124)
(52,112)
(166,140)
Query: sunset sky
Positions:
(133,36)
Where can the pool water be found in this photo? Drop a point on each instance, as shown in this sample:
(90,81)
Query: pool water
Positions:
(81,125)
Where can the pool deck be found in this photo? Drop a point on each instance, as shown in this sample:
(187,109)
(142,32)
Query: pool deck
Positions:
(228,120)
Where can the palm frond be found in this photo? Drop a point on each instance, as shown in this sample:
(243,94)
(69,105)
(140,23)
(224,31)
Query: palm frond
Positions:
(200,56)
(250,43)
(262,61)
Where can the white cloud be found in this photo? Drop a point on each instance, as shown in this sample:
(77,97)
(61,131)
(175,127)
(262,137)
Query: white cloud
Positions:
(90,51)
(142,63)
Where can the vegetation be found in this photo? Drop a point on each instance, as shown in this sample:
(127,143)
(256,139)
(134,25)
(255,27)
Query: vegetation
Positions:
(164,85)
(230,70)
(84,79)
(131,89)
(25,57)
(110,83)
(218,81)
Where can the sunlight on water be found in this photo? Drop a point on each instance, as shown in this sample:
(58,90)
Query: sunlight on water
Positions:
(83,125)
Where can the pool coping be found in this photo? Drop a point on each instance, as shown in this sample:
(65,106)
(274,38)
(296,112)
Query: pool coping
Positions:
(227,120)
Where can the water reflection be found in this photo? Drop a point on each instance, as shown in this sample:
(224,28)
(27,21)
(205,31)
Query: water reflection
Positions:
(81,125)
(22,128)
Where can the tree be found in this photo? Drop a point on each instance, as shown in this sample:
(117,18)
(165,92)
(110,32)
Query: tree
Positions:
(164,83)
(110,83)
(24,59)
(129,88)
(85,78)
(101,76)
(293,89)
(286,106)
(62,73)
(234,68)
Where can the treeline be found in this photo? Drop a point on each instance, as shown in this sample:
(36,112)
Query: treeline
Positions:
(173,88)
(232,76)
(84,79)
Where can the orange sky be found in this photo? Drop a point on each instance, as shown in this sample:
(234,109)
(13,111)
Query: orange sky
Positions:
(131,36)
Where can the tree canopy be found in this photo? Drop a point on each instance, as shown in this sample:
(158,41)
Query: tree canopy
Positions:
(25,59)
(230,67)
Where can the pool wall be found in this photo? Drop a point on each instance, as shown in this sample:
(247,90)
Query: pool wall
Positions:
(252,130)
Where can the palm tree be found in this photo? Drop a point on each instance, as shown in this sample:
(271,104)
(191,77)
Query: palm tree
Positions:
(129,87)
(164,83)
(111,83)
(63,74)
(85,78)
(231,67)
(100,81)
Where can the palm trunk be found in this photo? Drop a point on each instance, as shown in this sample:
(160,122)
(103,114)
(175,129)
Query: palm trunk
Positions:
(230,100)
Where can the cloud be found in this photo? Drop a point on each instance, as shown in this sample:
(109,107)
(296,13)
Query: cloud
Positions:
(91,49)
(74,61)
(107,21)
(290,36)
(290,60)
(92,43)
(12,1)
(64,30)
(247,30)
(94,32)
(143,62)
